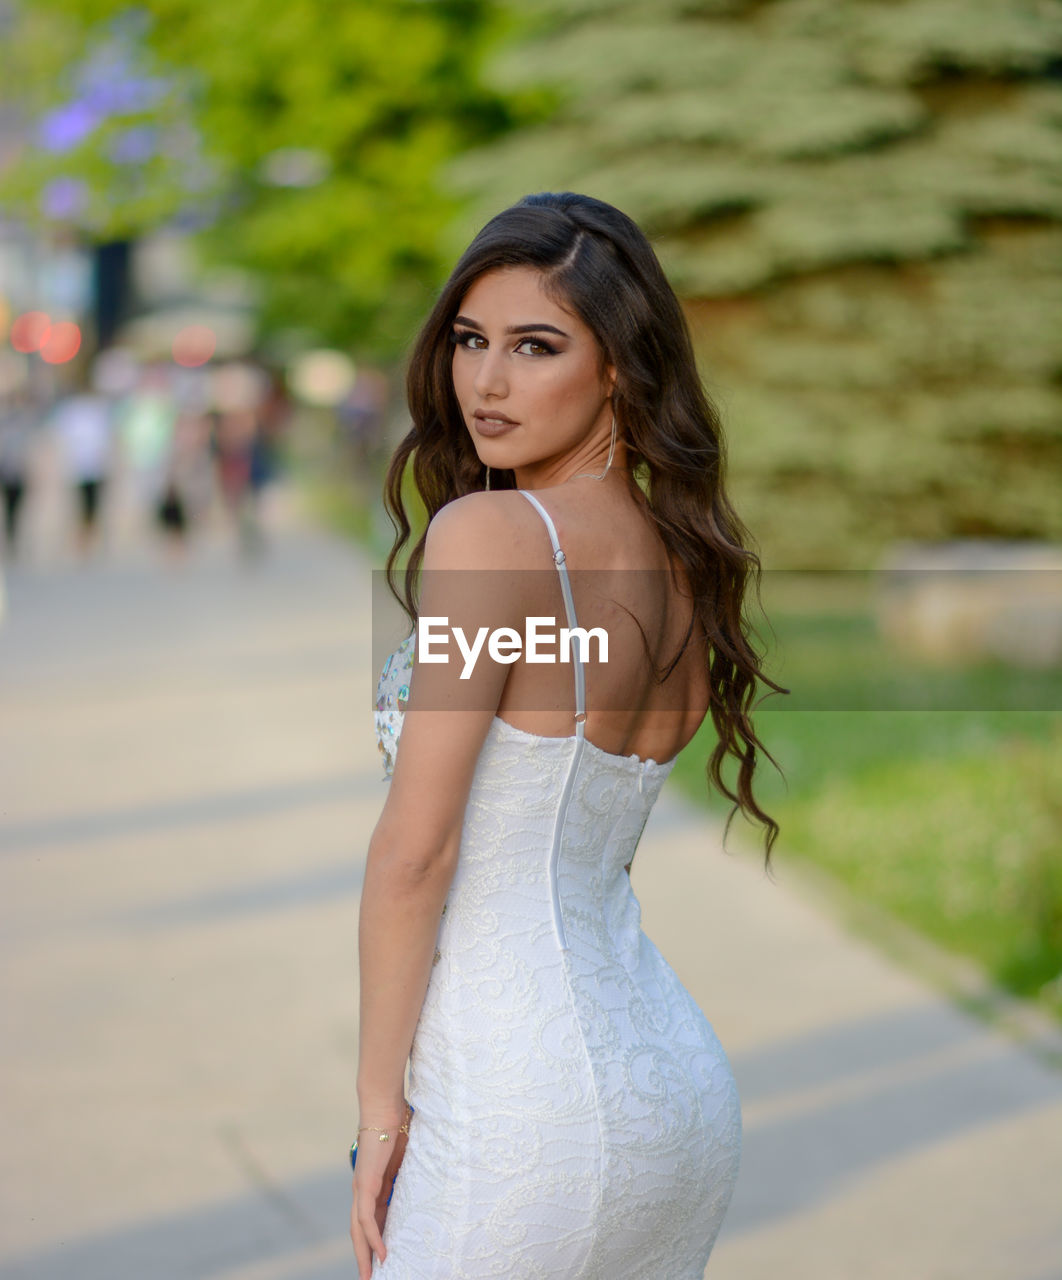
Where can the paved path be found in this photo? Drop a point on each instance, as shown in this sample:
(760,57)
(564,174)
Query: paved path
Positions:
(188,781)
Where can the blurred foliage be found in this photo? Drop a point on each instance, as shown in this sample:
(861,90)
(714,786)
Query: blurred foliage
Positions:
(373,94)
(841,661)
(861,204)
(951,821)
(100,141)
(966,848)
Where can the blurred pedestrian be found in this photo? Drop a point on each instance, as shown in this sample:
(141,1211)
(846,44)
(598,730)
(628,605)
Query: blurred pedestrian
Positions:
(148,417)
(18,419)
(83,423)
(361,416)
(234,445)
(241,389)
(187,485)
(274,416)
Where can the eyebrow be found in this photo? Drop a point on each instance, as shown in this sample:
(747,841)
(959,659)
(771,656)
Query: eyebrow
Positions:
(516,328)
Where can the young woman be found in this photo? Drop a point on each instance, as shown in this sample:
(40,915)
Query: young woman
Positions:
(571,1112)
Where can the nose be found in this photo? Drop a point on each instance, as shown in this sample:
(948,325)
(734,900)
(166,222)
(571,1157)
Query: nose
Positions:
(491,378)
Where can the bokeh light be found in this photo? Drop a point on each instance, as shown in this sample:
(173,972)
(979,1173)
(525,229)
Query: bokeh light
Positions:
(295,167)
(61,343)
(322,377)
(194,345)
(30,330)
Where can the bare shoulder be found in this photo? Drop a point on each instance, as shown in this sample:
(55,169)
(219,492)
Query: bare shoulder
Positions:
(485,530)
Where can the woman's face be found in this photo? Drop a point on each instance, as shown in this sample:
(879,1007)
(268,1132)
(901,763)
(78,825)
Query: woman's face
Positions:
(530,378)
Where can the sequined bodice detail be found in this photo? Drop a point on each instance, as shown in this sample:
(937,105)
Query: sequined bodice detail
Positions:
(392,695)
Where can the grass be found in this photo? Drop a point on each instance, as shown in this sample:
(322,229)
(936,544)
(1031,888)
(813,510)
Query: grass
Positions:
(933,793)
(824,644)
(967,848)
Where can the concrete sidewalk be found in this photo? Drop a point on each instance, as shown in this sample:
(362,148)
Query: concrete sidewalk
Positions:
(188,778)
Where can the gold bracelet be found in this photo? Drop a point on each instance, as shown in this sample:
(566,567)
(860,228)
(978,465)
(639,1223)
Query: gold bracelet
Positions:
(385,1134)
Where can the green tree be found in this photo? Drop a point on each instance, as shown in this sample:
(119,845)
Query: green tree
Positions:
(862,205)
(304,141)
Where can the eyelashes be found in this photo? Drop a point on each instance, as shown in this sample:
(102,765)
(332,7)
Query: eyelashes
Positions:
(461,338)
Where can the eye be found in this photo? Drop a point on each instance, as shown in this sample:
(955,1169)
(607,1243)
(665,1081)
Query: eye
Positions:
(541,347)
(466,337)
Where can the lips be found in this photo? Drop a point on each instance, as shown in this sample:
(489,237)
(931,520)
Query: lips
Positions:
(493,424)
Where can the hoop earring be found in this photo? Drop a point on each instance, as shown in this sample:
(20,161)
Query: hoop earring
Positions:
(487,485)
(611,450)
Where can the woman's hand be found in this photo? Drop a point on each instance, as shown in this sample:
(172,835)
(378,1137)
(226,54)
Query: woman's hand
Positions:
(374,1175)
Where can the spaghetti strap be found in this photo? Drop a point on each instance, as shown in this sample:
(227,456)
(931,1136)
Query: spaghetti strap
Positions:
(576,649)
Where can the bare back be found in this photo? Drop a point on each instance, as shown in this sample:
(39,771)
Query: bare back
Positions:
(621,581)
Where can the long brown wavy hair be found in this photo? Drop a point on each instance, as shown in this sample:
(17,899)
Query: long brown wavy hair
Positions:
(597,262)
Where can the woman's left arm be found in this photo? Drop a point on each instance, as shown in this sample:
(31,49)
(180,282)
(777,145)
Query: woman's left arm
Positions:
(413,851)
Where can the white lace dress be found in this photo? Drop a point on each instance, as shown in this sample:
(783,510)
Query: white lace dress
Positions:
(576,1115)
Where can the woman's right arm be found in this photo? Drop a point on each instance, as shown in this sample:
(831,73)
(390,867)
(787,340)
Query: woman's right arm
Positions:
(413,850)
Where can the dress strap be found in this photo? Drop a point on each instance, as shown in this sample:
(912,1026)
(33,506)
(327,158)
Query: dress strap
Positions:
(575,647)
